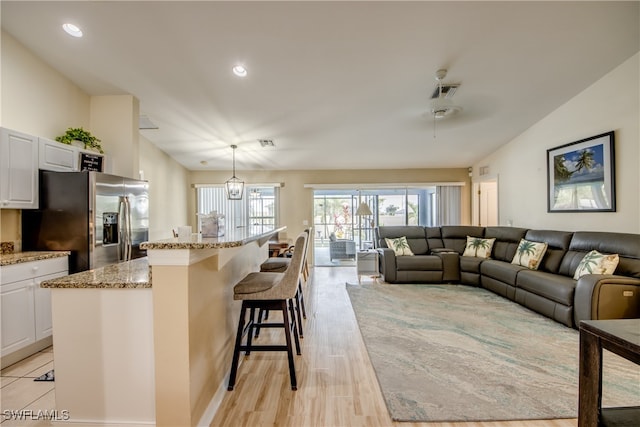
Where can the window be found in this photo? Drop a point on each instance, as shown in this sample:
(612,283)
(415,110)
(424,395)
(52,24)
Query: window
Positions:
(334,213)
(258,206)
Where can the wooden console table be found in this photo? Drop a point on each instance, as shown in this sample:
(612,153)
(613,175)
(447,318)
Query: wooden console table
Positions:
(621,337)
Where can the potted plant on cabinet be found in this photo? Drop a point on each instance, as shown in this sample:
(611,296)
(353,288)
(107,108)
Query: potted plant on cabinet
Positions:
(83,136)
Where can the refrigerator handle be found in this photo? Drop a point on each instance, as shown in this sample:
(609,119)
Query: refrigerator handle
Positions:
(128,229)
(121,229)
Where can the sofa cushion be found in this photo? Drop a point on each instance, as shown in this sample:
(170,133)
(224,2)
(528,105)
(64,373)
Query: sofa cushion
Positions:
(501,271)
(507,239)
(478,247)
(557,246)
(399,245)
(415,235)
(419,263)
(551,286)
(470,264)
(596,263)
(455,236)
(529,254)
(627,246)
(434,238)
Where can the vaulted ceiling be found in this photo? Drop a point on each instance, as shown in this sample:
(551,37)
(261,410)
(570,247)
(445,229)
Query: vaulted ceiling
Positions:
(335,85)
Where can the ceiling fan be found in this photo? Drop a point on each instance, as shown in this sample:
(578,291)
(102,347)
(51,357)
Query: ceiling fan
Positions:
(441,104)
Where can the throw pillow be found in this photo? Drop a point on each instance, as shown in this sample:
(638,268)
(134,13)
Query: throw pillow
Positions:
(529,254)
(478,247)
(596,263)
(400,246)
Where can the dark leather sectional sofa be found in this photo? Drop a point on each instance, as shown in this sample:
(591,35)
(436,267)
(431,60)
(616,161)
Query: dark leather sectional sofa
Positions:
(550,290)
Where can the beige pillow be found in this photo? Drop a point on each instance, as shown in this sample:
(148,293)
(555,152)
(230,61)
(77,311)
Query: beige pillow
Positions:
(596,263)
(529,254)
(400,246)
(478,247)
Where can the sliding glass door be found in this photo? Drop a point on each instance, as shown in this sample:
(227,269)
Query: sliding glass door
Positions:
(339,231)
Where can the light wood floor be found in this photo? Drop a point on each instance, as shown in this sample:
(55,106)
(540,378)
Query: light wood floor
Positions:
(337,385)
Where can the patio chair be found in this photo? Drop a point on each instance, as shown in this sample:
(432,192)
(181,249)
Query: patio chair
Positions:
(341,248)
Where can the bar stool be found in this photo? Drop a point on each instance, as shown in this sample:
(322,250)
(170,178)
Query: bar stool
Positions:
(269,291)
(279,265)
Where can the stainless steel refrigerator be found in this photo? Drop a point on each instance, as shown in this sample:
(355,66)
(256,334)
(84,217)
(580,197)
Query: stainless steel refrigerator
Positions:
(100,218)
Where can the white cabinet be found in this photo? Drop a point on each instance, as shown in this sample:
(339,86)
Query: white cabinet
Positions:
(26,308)
(55,156)
(18,170)
(18,317)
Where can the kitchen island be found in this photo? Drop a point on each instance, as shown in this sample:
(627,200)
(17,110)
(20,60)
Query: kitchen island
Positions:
(153,347)
(195,318)
(103,344)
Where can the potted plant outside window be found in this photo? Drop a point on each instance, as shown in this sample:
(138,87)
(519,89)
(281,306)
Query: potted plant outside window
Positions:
(84,136)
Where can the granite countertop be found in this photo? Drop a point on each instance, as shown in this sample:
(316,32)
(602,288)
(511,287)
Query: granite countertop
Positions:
(133,274)
(20,257)
(233,238)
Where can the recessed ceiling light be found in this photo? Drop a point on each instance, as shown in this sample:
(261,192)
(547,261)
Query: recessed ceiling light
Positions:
(72,30)
(240,71)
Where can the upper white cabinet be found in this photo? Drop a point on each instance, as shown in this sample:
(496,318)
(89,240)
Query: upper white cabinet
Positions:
(18,170)
(55,156)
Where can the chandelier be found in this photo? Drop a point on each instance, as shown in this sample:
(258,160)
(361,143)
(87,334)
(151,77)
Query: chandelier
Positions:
(233,185)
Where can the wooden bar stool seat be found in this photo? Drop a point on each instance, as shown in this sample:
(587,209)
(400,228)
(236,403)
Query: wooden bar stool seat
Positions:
(273,292)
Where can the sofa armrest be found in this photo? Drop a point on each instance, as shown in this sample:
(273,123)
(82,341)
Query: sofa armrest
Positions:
(387,266)
(604,296)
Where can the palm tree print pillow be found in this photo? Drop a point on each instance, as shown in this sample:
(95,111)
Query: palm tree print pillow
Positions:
(529,254)
(596,263)
(478,247)
(400,246)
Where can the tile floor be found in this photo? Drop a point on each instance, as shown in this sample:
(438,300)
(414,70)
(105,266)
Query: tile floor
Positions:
(19,391)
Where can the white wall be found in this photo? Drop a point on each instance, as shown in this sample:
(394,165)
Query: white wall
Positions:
(168,190)
(296,201)
(115,119)
(611,103)
(38,100)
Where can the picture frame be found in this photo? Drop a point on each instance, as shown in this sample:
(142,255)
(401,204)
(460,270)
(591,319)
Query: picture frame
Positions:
(581,175)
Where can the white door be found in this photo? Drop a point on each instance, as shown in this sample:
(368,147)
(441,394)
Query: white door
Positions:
(485,203)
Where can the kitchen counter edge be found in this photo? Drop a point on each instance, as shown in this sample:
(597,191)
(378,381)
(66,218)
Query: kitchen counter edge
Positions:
(134,274)
(20,257)
(232,239)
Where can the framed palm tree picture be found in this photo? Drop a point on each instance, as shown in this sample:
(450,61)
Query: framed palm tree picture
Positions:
(581,176)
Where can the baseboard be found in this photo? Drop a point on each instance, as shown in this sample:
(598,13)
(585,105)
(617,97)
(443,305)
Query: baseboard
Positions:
(214,404)
(23,353)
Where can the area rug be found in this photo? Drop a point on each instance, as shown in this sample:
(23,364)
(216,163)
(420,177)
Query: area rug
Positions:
(458,353)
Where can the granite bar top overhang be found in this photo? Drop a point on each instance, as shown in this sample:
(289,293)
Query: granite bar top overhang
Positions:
(134,274)
(20,257)
(233,238)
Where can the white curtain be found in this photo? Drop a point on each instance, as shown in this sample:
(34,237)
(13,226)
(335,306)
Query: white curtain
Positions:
(215,199)
(449,204)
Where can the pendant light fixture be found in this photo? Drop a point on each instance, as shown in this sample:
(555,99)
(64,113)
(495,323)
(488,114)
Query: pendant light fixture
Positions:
(234,186)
